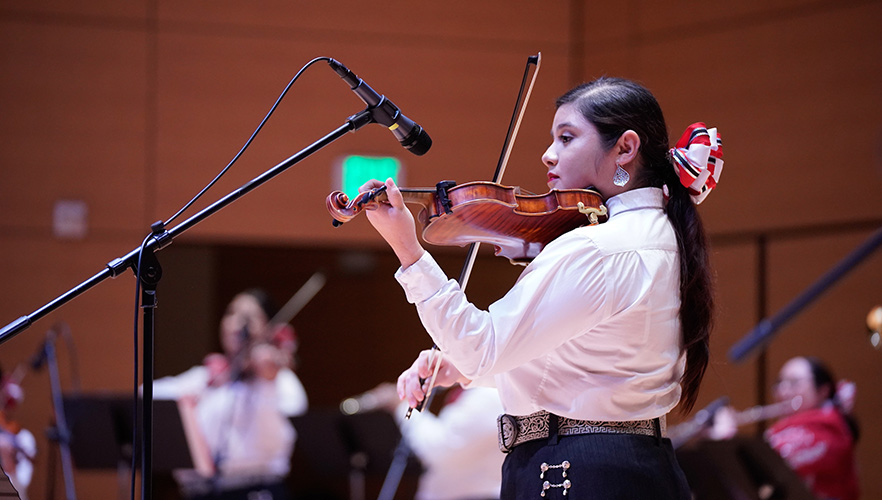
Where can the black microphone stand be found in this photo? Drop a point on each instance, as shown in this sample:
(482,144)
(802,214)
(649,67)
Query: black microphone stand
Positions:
(151,272)
(60,432)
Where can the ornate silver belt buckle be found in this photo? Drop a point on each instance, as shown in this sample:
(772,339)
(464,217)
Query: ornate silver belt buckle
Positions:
(508,432)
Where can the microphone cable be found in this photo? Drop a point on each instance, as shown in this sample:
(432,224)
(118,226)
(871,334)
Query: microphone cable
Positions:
(248,142)
(136,446)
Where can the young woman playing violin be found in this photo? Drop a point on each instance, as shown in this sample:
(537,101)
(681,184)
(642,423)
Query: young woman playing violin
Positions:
(606,330)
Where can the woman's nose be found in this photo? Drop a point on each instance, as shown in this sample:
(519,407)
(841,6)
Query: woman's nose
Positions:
(549,158)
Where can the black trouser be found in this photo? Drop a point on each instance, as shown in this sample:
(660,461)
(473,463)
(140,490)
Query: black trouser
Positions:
(601,466)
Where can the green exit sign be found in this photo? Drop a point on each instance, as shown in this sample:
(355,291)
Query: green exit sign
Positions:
(356,170)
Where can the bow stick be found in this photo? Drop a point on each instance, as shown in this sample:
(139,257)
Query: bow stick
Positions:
(514,126)
(299,300)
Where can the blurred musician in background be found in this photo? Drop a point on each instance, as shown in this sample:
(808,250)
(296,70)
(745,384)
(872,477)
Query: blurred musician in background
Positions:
(235,407)
(457,447)
(818,441)
(17,445)
(815,432)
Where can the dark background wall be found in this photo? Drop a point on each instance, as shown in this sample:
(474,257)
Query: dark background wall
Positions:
(130,108)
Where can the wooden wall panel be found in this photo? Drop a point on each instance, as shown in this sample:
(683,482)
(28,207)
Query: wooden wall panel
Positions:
(36,271)
(73,123)
(798,108)
(682,18)
(488,26)
(134,11)
(736,272)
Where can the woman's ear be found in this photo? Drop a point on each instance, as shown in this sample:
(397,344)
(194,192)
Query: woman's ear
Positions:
(627,147)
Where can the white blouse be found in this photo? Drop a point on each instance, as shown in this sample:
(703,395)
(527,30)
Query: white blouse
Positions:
(458,447)
(589,331)
(247,423)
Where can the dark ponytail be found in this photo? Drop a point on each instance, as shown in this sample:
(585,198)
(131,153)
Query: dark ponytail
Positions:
(613,106)
(822,377)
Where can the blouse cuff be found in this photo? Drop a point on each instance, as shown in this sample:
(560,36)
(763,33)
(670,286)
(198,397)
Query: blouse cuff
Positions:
(422,279)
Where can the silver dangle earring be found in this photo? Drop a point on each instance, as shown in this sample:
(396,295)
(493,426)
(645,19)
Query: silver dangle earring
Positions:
(621,177)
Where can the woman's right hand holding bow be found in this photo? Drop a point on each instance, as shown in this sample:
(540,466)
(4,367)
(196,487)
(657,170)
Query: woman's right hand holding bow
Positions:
(413,382)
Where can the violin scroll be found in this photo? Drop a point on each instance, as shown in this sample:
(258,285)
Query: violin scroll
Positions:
(343,210)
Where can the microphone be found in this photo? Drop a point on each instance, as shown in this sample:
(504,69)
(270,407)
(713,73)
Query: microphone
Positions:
(385,112)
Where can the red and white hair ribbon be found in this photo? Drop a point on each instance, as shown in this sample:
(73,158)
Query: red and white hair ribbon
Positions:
(698,160)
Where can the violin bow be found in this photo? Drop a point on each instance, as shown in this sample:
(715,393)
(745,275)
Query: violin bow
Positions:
(513,128)
(299,300)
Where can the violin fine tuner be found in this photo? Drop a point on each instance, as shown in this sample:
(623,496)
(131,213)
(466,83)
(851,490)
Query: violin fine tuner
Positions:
(593,213)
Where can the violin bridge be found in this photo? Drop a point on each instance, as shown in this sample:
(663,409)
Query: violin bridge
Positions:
(592,213)
(441,191)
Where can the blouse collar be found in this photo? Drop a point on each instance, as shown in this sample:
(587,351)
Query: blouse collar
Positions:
(635,199)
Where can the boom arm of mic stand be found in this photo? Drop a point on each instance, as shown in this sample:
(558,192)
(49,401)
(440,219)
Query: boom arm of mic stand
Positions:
(130,260)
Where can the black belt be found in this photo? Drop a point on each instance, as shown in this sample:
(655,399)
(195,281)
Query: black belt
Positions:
(515,430)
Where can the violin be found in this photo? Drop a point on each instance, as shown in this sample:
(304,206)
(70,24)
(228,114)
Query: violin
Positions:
(517,223)
(257,357)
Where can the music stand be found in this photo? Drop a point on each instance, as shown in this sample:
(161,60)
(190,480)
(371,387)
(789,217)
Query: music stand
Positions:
(345,446)
(101,427)
(170,449)
(376,434)
(739,469)
(97,424)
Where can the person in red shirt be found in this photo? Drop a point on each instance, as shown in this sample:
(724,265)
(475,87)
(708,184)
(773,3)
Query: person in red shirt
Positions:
(818,441)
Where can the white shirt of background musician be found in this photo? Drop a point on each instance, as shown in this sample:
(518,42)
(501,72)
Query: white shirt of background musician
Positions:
(247,423)
(458,447)
(26,446)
